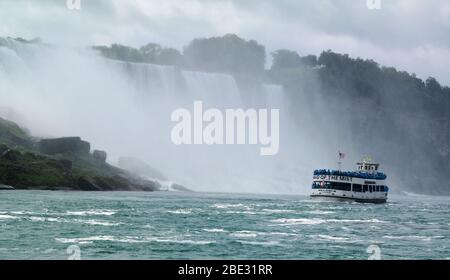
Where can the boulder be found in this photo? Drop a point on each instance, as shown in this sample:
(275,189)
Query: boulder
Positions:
(100,155)
(64,145)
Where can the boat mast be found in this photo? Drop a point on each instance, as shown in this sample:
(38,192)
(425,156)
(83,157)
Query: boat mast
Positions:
(341,156)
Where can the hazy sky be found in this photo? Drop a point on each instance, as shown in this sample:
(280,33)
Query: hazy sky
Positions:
(412,35)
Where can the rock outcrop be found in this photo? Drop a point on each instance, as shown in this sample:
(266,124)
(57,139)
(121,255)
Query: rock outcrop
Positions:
(64,145)
(4,187)
(99,155)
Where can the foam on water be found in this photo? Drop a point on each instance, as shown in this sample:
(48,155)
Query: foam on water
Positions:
(92,212)
(214,230)
(260,243)
(8,217)
(244,234)
(301,221)
(180,211)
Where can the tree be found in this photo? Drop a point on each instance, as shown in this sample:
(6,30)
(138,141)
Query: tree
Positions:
(433,85)
(154,53)
(285,59)
(227,54)
(120,52)
(291,59)
(150,53)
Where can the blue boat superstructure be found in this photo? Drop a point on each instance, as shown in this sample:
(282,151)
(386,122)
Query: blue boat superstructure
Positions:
(366,184)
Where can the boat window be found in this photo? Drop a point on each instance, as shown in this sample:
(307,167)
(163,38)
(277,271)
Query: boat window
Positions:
(340,186)
(377,188)
(370,188)
(318,185)
(357,188)
(365,188)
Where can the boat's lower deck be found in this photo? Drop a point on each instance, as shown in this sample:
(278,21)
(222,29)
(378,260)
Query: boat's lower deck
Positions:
(345,198)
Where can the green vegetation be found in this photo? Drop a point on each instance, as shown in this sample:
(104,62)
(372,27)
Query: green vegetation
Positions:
(11,134)
(24,166)
(227,54)
(150,53)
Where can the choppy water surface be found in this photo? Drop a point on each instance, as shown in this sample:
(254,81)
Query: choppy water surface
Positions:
(127,225)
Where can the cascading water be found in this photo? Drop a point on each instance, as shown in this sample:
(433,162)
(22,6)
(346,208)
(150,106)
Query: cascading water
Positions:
(125,108)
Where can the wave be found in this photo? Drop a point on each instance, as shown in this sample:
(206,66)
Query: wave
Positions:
(4,217)
(186,241)
(78,221)
(241,212)
(302,221)
(413,237)
(85,240)
(23,213)
(332,238)
(253,234)
(180,211)
(230,205)
(278,210)
(45,219)
(214,230)
(317,221)
(244,234)
(132,239)
(320,212)
(260,243)
(98,223)
(355,221)
(91,212)
(278,233)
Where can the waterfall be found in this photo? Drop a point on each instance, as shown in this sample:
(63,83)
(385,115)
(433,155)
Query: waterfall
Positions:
(124,108)
(273,95)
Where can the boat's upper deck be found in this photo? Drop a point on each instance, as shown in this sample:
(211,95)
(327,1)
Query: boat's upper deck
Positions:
(354,174)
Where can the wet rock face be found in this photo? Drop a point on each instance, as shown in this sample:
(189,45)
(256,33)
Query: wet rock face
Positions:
(64,145)
(87,184)
(100,155)
(5,187)
(10,155)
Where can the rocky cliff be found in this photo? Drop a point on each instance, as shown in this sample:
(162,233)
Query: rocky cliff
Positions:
(59,164)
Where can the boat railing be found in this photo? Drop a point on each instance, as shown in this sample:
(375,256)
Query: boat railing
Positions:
(355,174)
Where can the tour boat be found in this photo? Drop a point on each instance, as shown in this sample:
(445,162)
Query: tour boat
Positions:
(367,184)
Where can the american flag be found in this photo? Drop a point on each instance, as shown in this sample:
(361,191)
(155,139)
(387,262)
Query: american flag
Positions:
(341,155)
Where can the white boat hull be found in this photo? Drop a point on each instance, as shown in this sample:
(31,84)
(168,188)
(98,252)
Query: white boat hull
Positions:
(362,197)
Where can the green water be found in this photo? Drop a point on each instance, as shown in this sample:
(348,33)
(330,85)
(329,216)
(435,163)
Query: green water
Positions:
(128,225)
